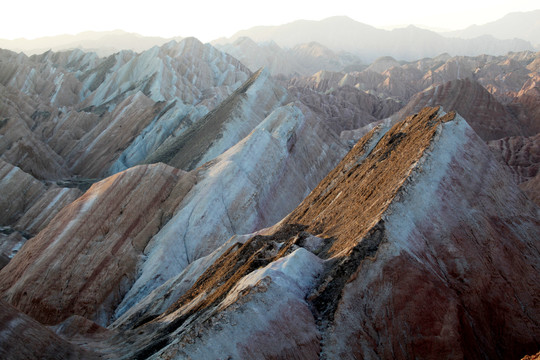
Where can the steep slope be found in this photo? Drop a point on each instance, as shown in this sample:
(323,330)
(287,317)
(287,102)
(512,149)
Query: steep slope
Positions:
(522,156)
(13,183)
(424,247)
(84,260)
(297,149)
(224,126)
(345,107)
(489,118)
(250,186)
(421,238)
(70,110)
(527,103)
(190,78)
(26,206)
(97,150)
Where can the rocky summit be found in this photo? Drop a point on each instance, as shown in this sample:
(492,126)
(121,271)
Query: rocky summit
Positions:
(178,204)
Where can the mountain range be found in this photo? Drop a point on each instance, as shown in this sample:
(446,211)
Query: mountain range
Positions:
(104,43)
(513,32)
(179,202)
(345,34)
(520,25)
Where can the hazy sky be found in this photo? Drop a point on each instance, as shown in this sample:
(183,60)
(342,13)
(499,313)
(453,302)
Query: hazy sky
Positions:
(208,20)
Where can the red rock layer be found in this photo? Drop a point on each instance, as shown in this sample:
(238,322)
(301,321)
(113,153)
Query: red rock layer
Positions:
(84,260)
(436,253)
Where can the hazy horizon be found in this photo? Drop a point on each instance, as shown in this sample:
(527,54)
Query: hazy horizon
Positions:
(207,21)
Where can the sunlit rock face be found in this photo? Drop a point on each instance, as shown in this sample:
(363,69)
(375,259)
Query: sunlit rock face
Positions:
(419,237)
(160,238)
(417,242)
(412,275)
(250,186)
(225,125)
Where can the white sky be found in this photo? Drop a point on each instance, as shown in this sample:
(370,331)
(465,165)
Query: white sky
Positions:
(210,19)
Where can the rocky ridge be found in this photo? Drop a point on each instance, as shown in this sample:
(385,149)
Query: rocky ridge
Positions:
(176,269)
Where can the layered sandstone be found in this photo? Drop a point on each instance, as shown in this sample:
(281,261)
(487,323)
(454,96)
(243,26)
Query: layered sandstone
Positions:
(84,260)
(19,192)
(522,156)
(250,186)
(225,125)
(404,242)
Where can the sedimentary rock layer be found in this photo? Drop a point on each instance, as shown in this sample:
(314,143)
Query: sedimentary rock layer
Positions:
(86,258)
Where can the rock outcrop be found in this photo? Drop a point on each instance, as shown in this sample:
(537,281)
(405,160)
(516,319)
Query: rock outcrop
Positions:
(225,125)
(26,206)
(421,268)
(418,244)
(65,114)
(19,192)
(404,248)
(250,186)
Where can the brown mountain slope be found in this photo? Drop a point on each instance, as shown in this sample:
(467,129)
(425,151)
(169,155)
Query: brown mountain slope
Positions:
(84,260)
(425,248)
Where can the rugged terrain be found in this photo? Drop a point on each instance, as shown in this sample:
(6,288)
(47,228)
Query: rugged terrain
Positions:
(176,203)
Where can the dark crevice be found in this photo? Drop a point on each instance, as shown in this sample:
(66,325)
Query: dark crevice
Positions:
(326,297)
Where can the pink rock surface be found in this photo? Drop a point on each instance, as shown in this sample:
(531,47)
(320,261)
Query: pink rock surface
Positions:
(84,260)
(94,153)
(45,209)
